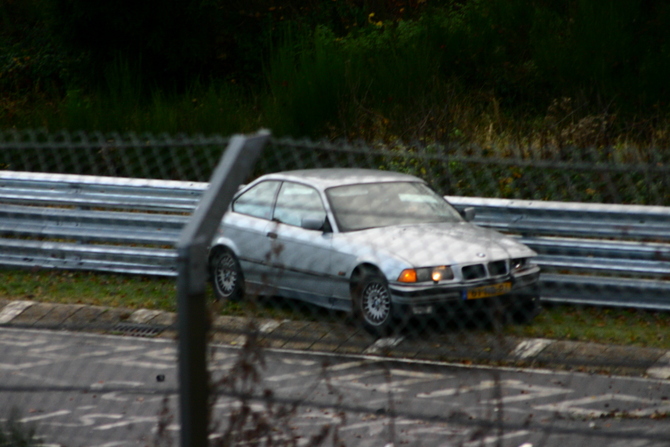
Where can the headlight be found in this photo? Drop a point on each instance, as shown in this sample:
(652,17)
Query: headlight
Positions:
(425,274)
(520,264)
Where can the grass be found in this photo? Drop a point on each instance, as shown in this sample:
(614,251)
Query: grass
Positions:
(219,108)
(76,287)
(119,290)
(619,326)
(578,323)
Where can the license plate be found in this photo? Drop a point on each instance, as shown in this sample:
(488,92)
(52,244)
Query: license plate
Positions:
(487,291)
(422,310)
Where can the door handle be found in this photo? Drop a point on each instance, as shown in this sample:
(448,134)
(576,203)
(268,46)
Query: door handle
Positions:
(272,235)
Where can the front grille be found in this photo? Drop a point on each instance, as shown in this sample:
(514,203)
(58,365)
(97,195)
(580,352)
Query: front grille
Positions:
(498,268)
(475,271)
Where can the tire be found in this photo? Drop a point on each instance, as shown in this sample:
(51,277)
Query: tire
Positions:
(227,277)
(372,304)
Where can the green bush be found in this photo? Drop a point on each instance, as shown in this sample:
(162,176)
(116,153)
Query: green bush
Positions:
(473,71)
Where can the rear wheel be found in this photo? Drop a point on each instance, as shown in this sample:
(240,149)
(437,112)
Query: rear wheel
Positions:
(372,303)
(227,275)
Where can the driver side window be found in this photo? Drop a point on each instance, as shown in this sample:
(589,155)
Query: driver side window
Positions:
(258,200)
(296,202)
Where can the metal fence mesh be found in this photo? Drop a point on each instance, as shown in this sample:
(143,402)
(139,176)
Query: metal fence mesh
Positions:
(88,224)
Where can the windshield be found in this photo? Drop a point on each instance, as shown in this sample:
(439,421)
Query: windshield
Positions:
(372,205)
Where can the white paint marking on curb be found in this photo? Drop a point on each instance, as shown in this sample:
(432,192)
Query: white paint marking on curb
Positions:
(143,316)
(661,369)
(13,309)
(269,326)
(264,328)
(383,343)
(659,372)
(531,348)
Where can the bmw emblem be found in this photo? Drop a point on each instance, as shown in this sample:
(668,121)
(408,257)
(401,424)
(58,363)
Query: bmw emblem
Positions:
(481,255)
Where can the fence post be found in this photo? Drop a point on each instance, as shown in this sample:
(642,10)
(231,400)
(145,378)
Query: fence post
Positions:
(192,249)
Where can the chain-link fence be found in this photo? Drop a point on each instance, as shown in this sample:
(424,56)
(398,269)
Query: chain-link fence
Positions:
(347,306)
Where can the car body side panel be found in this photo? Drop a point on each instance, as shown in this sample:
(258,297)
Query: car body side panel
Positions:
(302,261)
(252,246)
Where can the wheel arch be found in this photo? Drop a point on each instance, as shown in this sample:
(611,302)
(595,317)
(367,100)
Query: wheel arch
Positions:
(222,244)
(360,271)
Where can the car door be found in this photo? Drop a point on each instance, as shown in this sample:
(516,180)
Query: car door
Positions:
(303,255)
(247,226)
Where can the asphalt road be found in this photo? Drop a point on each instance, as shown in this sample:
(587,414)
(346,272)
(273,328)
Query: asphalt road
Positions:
(82,389)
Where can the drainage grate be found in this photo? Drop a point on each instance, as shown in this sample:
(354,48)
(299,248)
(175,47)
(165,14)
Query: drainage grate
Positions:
(137,330)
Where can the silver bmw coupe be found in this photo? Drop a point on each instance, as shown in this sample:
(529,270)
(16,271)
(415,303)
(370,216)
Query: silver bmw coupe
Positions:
(381,245)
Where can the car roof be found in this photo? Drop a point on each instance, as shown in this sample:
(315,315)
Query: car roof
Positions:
(329,177)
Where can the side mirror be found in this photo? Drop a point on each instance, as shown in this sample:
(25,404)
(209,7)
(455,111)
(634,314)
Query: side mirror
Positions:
(309,223)
(468,214)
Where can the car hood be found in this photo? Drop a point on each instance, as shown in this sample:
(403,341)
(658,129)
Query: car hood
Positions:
(439,244)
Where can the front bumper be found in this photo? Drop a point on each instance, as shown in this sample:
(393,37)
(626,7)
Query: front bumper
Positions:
(428,299)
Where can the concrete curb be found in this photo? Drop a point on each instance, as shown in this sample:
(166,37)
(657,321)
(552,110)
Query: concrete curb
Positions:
(343,339)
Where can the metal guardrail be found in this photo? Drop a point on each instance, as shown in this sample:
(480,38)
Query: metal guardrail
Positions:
(93,223)
(599,254)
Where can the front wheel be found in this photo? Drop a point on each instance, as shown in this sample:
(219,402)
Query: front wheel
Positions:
(372,304)
(227,275)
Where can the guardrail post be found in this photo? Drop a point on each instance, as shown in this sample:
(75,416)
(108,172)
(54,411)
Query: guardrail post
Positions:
(236,163)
